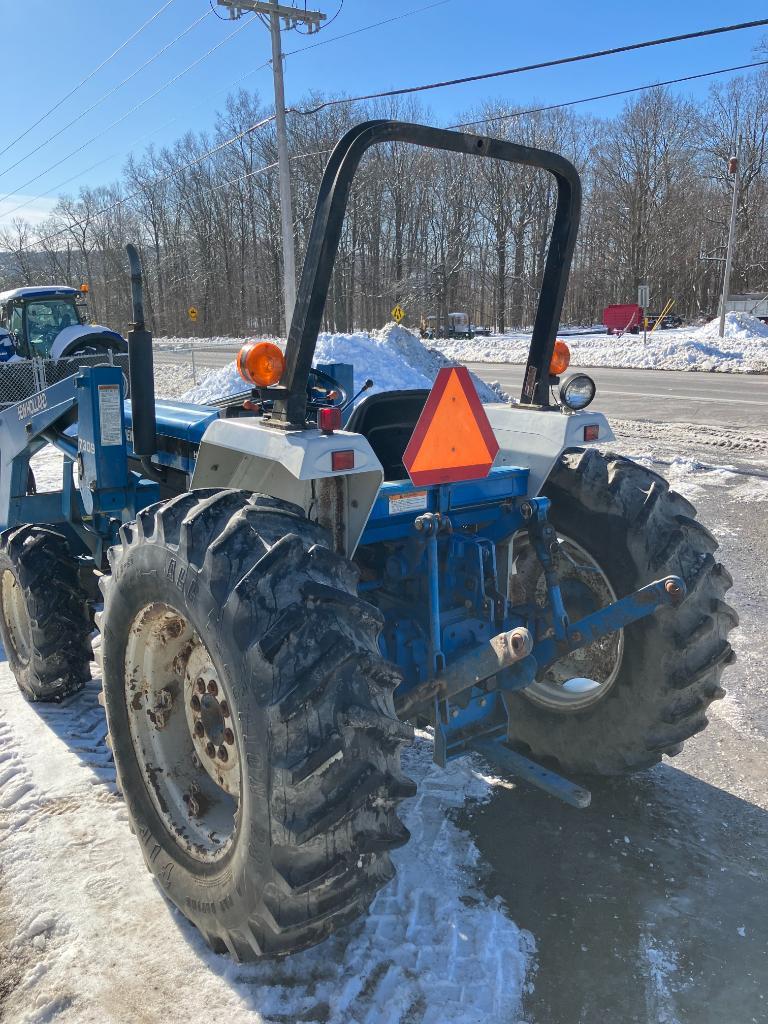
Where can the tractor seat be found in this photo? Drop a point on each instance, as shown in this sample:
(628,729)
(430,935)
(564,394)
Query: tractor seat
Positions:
(387,420)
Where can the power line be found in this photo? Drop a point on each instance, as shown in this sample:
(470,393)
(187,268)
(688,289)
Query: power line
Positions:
(608,95)
(154,181)
(367,28)
(702,33)
(88,77)
(100,100)
(127,114)
(227,88)
(236,138)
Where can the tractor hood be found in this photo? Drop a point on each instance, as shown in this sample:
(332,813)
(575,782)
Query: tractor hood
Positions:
(76,332)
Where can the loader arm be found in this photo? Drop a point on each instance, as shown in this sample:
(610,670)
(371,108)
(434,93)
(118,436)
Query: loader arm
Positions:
(290,396)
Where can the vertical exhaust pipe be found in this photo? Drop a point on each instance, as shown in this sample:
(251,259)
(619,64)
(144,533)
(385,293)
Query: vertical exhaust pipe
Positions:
(141,371)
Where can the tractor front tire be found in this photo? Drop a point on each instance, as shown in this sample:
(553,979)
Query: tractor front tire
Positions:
(45,621)
(636,529)
(251,719)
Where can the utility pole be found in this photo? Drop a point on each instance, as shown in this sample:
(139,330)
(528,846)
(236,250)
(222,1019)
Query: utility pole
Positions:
(734,169)
(291,16)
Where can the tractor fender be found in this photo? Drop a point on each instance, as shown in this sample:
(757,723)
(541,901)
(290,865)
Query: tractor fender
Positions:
(295,465)
(69,336)
(535,438)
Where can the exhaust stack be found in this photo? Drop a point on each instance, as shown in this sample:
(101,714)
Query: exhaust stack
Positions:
(140,367)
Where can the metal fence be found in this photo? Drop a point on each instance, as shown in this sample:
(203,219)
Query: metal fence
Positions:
(20,380)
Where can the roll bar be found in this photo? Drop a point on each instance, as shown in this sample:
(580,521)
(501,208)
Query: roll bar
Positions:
(290,396)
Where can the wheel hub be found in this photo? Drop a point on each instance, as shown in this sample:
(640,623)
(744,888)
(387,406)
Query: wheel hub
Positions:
(182,731)
(209,720)
(583,677)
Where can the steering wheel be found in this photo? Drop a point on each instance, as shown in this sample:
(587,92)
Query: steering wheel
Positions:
(329,386)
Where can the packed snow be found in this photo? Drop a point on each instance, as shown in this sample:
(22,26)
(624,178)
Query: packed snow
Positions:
(86,936)
(394,358)
(743,349)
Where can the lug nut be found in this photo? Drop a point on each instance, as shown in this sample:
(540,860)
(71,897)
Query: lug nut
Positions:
(195,703)
(210,749)
(224,708)
(229,737)
(213,688)
(200,686)
(223,753)
(199,730)
(672,588)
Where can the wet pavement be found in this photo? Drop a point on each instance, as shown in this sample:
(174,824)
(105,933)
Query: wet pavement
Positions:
(651,906)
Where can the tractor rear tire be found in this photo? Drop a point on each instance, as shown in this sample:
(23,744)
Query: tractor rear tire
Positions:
(636,529)
(277,861)
(45,620)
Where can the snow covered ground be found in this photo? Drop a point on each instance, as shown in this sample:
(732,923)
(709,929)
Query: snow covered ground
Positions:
(744,349)
(85,936)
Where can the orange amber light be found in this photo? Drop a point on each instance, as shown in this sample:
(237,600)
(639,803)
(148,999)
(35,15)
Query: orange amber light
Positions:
(561,358)
(260,363)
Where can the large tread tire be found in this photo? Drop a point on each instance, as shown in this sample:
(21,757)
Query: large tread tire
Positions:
(638,530)
(52,657)
(297,651)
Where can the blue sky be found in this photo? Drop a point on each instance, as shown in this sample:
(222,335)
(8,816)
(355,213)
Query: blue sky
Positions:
(50,46)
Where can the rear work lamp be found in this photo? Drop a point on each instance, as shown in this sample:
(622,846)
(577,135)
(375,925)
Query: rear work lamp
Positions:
(577,391)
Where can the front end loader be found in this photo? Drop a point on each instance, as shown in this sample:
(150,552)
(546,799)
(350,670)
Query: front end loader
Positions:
(284,599)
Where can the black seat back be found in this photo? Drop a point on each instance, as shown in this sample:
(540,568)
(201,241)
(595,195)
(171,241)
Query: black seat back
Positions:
(387,421)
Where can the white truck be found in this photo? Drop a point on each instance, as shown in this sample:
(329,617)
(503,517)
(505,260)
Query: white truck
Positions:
(754,303)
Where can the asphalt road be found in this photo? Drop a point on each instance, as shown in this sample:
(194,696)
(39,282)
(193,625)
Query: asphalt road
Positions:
(662,396)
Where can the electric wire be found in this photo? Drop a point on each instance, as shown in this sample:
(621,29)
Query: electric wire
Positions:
(106,95)
(608,95)
(154,181)
(627,48)
(227,88)
(127,114)
(251,128)
(88,77)
(367,28)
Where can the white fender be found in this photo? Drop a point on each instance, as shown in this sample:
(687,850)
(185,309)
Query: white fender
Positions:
(535,438)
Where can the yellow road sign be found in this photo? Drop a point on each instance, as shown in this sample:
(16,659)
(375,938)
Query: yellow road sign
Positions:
(398,313)
(192,313)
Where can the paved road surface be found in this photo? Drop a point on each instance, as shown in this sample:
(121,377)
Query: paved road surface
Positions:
(672,396)
(664,396)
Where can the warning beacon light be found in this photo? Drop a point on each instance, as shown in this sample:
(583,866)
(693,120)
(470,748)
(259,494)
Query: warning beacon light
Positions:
(561,359)
(260,363)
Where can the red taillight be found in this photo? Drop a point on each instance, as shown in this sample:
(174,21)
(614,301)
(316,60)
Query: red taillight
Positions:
(591,432)
(329,419)
(342,460)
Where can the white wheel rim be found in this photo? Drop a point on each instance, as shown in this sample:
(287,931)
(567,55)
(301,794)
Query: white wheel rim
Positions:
(599,662)
(16,617)
(183,732)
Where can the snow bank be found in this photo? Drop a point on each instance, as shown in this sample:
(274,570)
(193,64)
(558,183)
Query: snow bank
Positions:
(744,349)
(738,327)
(393,357)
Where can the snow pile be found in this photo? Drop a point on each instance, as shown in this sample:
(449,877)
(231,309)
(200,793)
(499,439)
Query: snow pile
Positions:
(744,349)
(738,327)
(393,357)
(82,921)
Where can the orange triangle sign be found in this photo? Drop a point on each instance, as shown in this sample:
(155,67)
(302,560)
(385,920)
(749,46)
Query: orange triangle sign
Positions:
(453,439)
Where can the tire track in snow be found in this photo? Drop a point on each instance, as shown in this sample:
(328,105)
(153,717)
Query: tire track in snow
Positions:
(89,921)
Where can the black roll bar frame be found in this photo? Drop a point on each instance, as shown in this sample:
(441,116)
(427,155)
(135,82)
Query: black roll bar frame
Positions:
(290,396)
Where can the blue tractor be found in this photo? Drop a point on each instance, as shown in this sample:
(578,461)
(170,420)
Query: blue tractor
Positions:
(282,602)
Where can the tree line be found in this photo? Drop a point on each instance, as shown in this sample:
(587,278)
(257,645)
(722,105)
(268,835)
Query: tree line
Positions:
(433,231)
